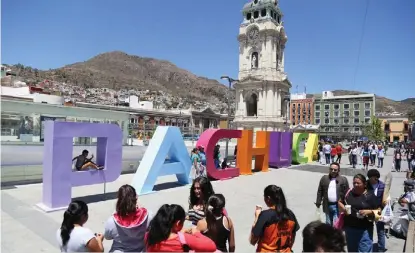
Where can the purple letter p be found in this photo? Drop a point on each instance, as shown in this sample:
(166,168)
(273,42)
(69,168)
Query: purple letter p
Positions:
(58,178)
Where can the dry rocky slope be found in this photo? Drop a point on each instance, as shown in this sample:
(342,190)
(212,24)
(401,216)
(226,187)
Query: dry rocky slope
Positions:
(117,70)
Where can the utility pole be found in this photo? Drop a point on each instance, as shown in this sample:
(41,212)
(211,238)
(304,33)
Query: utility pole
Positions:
(230,81)
(192,127)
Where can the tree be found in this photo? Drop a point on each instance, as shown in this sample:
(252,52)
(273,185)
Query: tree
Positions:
(374,130)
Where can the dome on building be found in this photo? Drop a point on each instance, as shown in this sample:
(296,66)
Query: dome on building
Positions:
(259,3)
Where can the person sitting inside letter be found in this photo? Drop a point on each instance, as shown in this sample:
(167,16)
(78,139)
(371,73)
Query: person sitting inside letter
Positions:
(84,163)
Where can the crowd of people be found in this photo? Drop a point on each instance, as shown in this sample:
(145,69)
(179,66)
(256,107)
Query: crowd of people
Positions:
(365,154)
(351,215)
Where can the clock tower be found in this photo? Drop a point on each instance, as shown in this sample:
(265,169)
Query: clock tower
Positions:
(263,85)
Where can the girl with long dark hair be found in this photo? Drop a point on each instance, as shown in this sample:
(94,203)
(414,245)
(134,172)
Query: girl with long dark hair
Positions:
(166,233)
(363,210)
(72,236)
(216,225)
(274,229)
(128,225)
(200,192)
(365,156)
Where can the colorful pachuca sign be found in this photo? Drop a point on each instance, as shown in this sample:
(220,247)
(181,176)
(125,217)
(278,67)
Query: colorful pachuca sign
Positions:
(272,149)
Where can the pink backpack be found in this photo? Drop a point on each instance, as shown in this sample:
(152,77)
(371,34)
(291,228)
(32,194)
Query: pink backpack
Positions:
(186,247)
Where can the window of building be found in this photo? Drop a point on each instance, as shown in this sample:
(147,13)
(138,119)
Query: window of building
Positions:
(317,114)
(317,107)
(346,121)
(327,121)
(356,120)
(356,106)
(336,129)
(336,113)
(317,121)
(326,107)
(272,14)
(279,18)
(256,14)
(326,114)
(356,113)
(357,129)
(367,105)
(263,12)
(367,120)
(327,129)
(336,121)
(346,113)
(336,107)
(387,127)
(367,113)
(405,127)
(248,16)
(346,106)
(346,129)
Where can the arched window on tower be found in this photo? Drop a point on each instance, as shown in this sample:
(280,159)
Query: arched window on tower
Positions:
(254,60)
(251,105)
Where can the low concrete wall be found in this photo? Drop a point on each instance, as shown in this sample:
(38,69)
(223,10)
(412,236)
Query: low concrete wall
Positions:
(16,175)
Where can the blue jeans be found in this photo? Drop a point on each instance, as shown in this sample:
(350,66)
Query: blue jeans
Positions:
(359,239)
(380,162)
(332,215)
(217,165)
(380,228)
(328,157)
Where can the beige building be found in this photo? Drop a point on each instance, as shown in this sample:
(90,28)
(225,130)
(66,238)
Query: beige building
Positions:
(396,127)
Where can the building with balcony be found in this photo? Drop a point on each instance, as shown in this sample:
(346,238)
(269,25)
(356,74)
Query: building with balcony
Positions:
(343,117)
(301,109)
(396,127)
(143,122)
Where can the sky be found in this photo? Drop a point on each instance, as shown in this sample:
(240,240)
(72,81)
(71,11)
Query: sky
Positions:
(322,52)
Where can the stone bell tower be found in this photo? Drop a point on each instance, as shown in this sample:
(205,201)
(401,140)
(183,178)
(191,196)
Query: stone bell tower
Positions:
(263,85)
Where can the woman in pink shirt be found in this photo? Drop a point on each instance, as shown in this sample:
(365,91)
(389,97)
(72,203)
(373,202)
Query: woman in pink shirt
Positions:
(166,233)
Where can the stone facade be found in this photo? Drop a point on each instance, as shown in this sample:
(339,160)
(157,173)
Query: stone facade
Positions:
(263,85)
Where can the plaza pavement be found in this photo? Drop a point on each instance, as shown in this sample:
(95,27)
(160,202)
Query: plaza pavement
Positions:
(24,227)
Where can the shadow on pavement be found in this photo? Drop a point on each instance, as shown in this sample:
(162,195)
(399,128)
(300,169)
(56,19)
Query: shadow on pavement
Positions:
(325,169)
(113,195)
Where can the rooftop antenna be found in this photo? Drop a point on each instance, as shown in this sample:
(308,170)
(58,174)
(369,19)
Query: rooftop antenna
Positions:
(305,89)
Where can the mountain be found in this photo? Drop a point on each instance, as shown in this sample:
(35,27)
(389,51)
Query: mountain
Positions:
(118,70)
(384,104)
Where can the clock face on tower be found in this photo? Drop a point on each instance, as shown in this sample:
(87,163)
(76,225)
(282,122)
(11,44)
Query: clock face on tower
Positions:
(253,34)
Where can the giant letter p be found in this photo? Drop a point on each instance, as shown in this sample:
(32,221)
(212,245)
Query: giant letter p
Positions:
(58,178)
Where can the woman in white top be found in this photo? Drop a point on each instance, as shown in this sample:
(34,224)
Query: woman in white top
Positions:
(381,156)
(72,236)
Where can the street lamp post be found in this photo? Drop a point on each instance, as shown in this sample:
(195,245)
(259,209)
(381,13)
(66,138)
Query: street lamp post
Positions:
(230,81)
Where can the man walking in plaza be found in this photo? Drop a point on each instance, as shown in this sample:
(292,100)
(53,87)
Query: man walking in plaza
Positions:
(327,152)
(330,188)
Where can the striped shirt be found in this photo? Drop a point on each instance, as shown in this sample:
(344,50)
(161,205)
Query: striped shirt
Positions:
(195,215)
